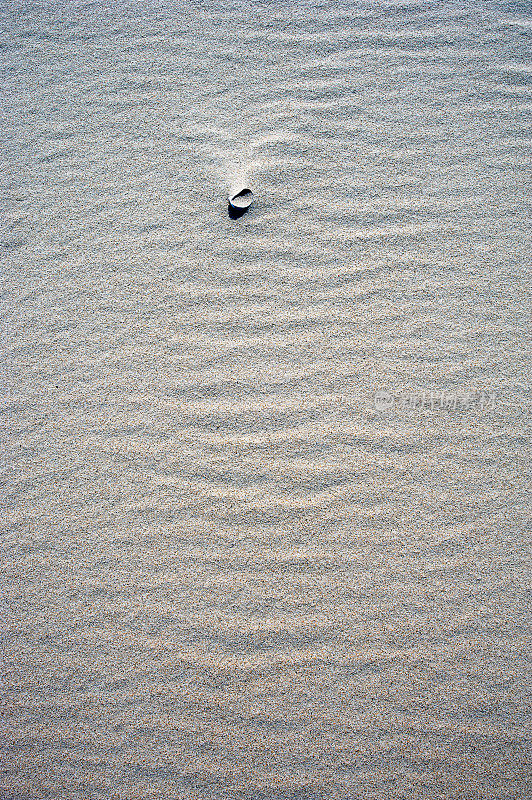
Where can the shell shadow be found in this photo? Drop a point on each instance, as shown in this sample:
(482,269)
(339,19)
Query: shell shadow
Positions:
(235,213)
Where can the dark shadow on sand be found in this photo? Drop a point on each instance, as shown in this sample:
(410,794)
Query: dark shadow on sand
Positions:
(235,213)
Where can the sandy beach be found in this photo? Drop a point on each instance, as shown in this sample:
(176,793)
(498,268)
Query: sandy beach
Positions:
(265,480)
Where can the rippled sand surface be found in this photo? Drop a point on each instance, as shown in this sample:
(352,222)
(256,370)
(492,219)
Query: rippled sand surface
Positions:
(230,569)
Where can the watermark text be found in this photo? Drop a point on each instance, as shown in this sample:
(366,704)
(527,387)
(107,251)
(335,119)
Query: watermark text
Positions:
(480,401)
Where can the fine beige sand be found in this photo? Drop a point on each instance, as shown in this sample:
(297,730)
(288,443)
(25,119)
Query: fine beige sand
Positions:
(265,479)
